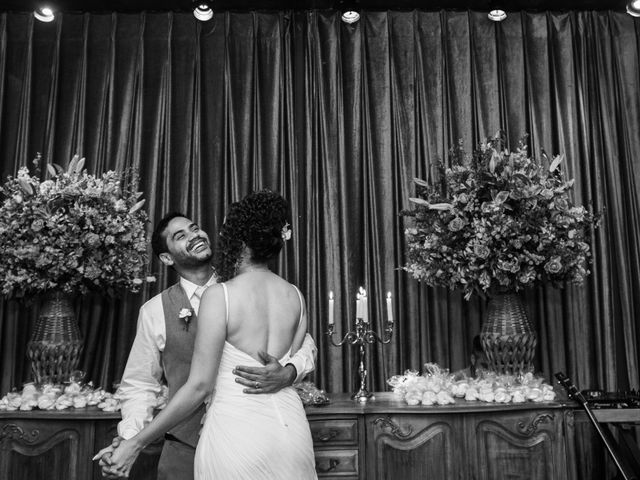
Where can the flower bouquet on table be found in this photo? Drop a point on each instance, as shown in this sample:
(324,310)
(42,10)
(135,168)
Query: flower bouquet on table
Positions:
(72,232)
(497,222)
(497,218)
(66,232)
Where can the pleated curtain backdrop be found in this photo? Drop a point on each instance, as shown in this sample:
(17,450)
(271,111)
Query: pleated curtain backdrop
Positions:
(339,118)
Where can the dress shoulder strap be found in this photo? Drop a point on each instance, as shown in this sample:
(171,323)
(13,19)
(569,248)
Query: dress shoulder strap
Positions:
(300,298)
(226,303)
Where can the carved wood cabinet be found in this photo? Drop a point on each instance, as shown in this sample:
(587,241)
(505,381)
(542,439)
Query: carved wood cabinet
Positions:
(59,445)
(336,442)
(49,445)
(382,439)
(468,440)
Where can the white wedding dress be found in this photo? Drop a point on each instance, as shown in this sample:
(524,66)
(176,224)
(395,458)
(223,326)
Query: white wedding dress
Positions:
(253,437)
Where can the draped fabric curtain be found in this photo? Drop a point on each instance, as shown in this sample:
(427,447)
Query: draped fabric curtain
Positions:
(339,119)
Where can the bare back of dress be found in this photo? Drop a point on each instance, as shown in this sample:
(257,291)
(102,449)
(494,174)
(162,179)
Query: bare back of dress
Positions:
(244,436)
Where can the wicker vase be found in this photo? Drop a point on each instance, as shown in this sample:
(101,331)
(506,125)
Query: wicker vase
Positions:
(55,344)
(507,337)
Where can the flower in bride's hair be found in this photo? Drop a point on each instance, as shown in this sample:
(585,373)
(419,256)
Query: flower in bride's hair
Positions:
(286,232)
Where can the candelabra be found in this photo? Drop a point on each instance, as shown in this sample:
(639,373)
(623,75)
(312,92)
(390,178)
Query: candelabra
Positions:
(362,336)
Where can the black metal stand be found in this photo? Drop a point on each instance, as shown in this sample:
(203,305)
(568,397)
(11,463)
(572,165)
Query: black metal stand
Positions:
(625,454)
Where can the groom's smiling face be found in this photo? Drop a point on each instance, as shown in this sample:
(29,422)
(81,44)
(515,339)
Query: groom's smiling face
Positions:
(187,244)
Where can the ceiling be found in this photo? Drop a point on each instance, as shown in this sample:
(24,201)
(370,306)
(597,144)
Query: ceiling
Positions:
(246,5)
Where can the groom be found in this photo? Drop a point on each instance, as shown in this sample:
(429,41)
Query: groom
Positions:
(163,347)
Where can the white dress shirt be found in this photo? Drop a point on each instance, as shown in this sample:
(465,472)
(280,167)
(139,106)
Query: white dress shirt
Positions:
(142,379)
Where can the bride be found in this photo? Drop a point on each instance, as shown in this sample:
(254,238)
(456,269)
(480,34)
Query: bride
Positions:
(253,310)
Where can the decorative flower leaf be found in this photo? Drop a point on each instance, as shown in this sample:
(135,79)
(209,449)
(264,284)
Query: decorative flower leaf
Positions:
(501,197)
(495,159)
(137,206)
(72,164)
(52,170)
(556,162)
(522,177)
(440,206)
(26,186)
(80,165)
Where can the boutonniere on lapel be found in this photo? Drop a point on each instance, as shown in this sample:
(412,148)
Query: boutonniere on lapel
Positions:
(185,315)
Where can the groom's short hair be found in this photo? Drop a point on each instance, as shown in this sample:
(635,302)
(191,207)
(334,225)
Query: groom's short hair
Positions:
(159,237)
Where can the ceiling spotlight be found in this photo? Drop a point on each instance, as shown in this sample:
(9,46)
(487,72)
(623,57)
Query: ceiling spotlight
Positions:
(202,10)
(633,8)
(497,15)
(44,14)
(350,11)
(350,16)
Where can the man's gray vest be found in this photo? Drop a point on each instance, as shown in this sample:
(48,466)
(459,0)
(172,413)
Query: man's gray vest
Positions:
(177,354)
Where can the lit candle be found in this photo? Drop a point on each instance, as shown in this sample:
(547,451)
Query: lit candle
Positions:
(365,309)
(389,309)
(330,308)
(358,307)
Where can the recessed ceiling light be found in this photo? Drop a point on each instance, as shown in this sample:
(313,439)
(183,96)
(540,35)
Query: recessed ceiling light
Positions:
(202,10)
(349,10)
(44,14)
(497,15)
(350,16)
(633,8)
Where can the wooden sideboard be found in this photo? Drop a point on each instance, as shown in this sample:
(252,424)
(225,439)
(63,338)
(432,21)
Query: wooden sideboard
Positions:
(387,439)
(382,439)
(59,445)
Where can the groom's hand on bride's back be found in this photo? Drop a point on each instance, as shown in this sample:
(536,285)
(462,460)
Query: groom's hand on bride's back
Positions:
(268,379)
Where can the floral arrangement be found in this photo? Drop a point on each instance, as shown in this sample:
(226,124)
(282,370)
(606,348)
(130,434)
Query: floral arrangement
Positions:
(439,387)
(73,232)
(498,218)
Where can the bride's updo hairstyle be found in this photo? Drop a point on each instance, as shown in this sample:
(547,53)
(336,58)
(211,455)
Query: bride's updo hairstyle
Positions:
(258,221)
